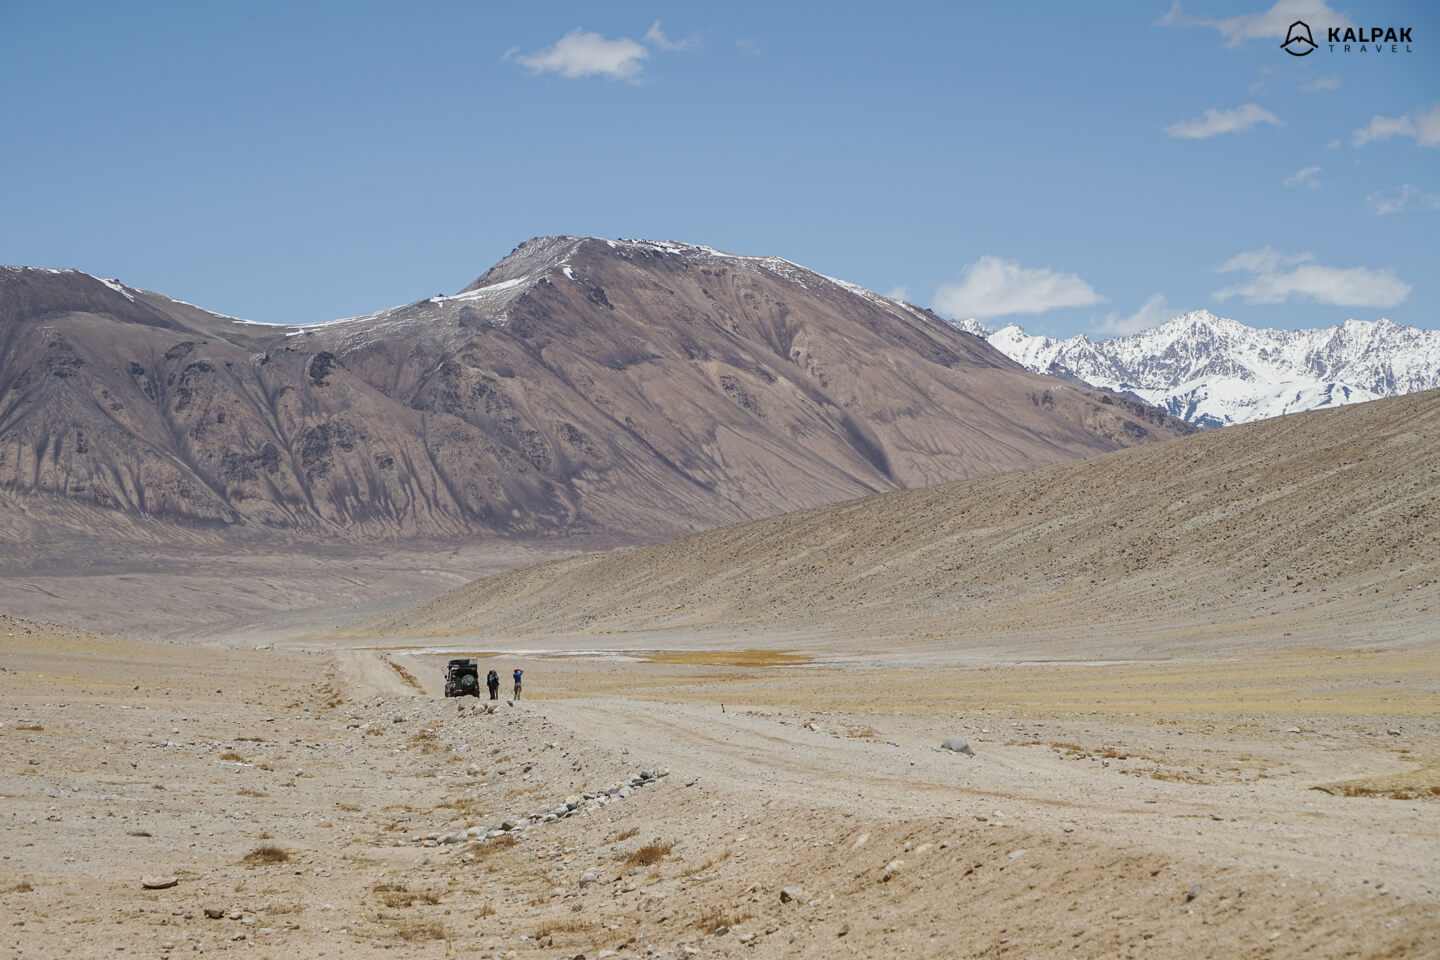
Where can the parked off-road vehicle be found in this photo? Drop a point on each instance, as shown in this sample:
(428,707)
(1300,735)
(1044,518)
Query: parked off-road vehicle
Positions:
(462,678)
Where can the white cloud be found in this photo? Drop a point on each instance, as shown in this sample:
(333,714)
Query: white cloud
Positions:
(1216,122)
(1152,313)
(1333,145)
(1277,277)
(1408,197)
(656,38)
(1306,177)
(1425,128)
(581,54)
(749,46)
(1383,128)
(1264,260)
(1321,83)
(1270,24)
(993,287)
(897,293)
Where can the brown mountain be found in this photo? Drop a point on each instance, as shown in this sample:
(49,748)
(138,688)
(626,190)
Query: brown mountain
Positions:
(580,386)
(1323,525)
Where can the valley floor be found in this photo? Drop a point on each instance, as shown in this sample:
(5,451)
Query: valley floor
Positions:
(328,802)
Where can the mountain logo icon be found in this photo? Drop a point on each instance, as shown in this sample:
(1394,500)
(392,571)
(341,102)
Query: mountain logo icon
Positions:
(1299,41)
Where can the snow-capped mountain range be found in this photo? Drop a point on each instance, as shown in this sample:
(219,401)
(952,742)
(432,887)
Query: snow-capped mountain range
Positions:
(1213,371)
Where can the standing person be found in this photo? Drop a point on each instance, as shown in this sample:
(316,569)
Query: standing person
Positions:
(493,682)
(518,671)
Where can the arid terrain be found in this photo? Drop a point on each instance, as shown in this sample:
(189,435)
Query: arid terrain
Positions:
(1316,529)
(165,469)
(313,802)
(1226,745)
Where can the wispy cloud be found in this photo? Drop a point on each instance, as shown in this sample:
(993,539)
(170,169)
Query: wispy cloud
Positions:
(1269,24)
(993,287)
(1408,197)
(1152,313)
(580,54)
(1321,83)
(1424,128)
(1216,122)
(749,46)
(1277,277)
(657,39)
(1305,177)
(897,293)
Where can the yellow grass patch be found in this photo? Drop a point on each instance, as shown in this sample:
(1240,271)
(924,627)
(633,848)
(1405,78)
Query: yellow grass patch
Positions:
(1422,784)
(267,853)
(1299,682)
(651,853)
(728,658)
(404,674)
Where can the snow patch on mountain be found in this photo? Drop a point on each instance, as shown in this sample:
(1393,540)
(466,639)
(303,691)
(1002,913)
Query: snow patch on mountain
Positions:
(1214,371)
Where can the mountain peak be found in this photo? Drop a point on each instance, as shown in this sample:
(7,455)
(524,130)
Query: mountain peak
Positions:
(626,388)
(1212,370)
(1201,319)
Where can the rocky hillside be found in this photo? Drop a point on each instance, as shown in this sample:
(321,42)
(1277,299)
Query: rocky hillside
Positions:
(1212,371)
(579,386)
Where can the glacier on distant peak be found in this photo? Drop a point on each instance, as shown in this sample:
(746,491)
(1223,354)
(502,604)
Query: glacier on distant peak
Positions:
(1214,371)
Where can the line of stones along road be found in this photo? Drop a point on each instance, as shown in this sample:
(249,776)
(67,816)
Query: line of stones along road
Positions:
(573,805)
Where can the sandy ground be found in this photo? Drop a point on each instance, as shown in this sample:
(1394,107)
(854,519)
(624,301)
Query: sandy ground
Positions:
(256,591)
(1275,806)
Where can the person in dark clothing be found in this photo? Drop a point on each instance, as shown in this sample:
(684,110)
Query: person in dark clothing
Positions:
(493,682)
(518,671)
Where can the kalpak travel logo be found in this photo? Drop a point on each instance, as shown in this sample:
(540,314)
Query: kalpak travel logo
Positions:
(1300,42)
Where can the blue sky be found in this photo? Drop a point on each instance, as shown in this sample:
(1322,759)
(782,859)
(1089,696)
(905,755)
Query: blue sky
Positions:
(1070,167)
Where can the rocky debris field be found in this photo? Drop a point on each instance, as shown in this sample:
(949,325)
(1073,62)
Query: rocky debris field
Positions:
(165,800)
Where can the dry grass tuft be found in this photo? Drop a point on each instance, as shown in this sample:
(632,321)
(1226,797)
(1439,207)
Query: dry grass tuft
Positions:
(421,930)
(250,792)
(489,847)
(712,918)
(22,887)
(627,834)
(267,853)
(28,726)
(396,895)
(552,927)
(231,755)
(649,854)
(138,833)
(429,743)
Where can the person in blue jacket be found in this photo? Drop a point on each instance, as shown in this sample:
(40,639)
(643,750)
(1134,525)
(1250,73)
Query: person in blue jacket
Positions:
(518,671)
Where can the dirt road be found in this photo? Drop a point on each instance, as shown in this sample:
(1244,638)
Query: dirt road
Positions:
(1069,833)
